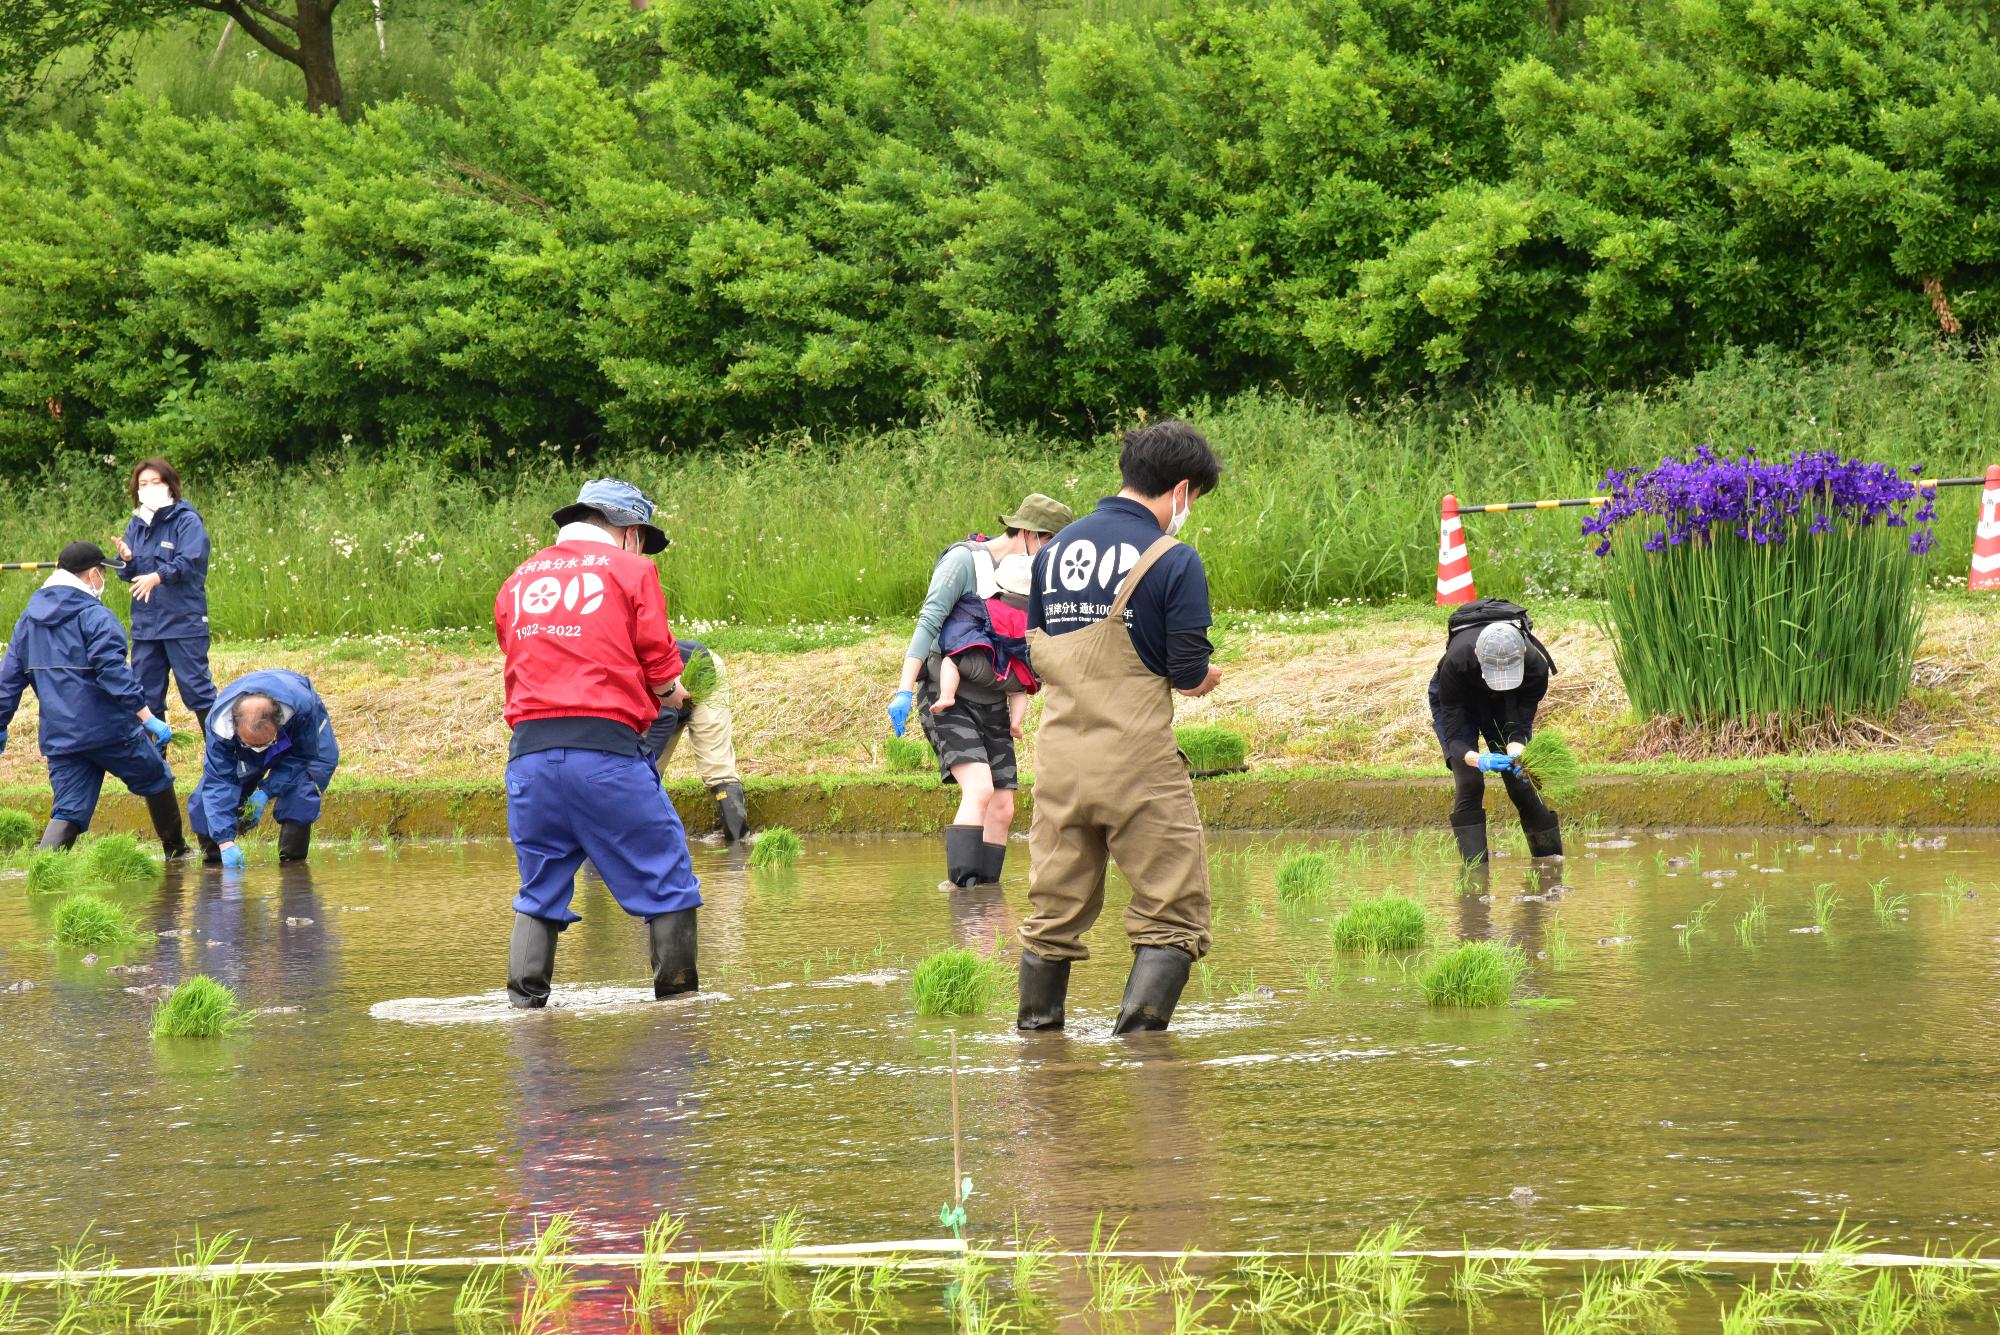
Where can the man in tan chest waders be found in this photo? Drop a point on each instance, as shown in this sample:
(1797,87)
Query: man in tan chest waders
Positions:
(1118,621)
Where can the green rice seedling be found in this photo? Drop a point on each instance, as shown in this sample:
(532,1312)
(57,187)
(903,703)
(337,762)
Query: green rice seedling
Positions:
(199,1007)
(1551,767)
(777,1241)
(1304,874)
(1941,1290)
(1204,973)
(1694,858)
(118,859)
(1192,1306)
(911,755)
(552,1283)
(1387,921)
(17,830)
(1824,902)
(1211,749)
(1697,919)
(776,847)
(10,1309)
(1885,1309)
(1484,1277)
(956,981)
(1952,898)
(1280,1297)
(1750,926)
(1621,926)
(1761,1311)
(52,871)
(1830,1281)
(1116,1285)
(1888,908)
(1034,1265)
(85,922)
(1631,1297)
(1378,1282)
(701,677)
(1476,973)
(345,1311)
(479,1304)
(705,1294)
(655,1281)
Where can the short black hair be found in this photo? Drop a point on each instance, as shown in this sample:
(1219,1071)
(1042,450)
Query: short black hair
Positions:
(1157,457)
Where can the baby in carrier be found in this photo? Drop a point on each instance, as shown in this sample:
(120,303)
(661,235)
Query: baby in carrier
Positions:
(985,643)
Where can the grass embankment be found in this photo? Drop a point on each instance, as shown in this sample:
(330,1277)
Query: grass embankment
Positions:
(1339,693)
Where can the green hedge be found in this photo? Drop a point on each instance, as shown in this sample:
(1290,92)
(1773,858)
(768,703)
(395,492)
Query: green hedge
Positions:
(824,213)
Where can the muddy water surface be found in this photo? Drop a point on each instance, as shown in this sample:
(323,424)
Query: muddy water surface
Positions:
(1672,1087)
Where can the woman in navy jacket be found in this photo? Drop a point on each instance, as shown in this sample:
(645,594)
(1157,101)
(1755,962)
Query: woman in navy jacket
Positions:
(165,551)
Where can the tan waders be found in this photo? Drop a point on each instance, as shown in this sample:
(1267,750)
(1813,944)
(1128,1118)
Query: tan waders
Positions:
(1110,783)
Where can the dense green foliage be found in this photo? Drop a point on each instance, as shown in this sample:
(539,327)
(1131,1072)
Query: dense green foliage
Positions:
(910,754)
(1317,506)
(725,217)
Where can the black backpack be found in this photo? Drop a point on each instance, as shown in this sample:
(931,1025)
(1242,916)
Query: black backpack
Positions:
(1487,611)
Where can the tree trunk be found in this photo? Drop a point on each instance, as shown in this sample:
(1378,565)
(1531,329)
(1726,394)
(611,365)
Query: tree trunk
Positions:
(315,32)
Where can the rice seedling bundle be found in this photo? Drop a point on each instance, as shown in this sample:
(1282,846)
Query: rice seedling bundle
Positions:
(955,982)
(776,847)
(85,922)
(1387,921)
(54,871)
(1476,973)
(1551,766)
(701,677)
(118,858)
(912,754)
(17,829)
(1775,595)
(1304,873)
(1211,749)
(199,1008)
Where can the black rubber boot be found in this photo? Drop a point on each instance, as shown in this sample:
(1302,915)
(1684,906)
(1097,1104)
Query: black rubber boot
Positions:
(211,852)
(201,729)
(1154,989)
(992,860)
(1044,987)
(60,834)
(1471,838)
(294,840)
(165,809)
(962,845)
(732,811)
(674,942)
(531,962)
(1545,841)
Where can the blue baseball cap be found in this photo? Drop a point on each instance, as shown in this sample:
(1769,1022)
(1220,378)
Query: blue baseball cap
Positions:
(618,503)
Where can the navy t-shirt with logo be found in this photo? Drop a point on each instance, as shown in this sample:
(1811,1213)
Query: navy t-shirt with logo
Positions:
(1078,574)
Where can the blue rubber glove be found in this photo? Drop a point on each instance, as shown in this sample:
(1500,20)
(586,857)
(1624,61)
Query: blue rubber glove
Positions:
(3,739)
(157,729)
(1489,763)
(253,811)
(899,710)
(232,857)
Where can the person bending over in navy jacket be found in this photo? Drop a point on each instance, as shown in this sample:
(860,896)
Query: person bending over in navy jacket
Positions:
(71,649)
(165,551)
(271,743)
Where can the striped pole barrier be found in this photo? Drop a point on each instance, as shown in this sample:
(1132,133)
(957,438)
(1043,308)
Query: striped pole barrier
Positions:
(28,565)
(1986,538)
(1454,565)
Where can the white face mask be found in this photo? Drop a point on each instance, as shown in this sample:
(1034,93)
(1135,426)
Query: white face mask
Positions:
(1178,519)
(155,496)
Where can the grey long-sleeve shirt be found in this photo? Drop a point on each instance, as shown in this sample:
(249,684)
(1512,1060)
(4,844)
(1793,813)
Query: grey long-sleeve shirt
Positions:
(954,578)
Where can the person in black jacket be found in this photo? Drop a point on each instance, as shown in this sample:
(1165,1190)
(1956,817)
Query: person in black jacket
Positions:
(1492,677)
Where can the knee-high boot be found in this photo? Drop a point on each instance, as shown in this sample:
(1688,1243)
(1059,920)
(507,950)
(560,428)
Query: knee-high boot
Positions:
(531,962)
(674,944)
(60,834)
(294,840)
(1044,988)
(1153,989)
(165,809)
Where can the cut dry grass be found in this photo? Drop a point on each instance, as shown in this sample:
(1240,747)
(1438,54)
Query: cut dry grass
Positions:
(199,1008)
(1476,973)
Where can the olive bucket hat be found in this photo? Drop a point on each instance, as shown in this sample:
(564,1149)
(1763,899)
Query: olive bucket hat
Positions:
(1039,514)
(618,503)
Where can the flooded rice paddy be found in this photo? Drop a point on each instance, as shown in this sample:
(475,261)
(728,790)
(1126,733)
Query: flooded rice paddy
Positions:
(1677,1071)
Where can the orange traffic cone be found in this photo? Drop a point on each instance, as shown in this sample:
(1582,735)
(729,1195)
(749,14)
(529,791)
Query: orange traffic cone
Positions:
(1454,566)
(1986,538)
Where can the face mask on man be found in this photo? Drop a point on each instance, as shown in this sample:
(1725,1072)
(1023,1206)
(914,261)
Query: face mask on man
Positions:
(1178,519)
(155,496)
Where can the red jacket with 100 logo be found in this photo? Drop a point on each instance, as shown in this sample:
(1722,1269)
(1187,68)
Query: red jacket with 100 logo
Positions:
(584,629)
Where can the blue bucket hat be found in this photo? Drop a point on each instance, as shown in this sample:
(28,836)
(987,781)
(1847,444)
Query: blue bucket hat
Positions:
(618,503)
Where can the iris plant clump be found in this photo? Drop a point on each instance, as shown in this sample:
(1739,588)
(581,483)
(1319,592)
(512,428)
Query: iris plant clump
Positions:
(1773,594)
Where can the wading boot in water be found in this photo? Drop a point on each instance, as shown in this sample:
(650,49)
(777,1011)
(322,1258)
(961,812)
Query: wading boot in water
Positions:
(294,840)
(1471,838)
(166,813)
(1544,840)
(962,849)
(211,852)
(992,860)
(1044,986)
(1154,989)
(673,940)
(731,811)
(531,962)
(60,834)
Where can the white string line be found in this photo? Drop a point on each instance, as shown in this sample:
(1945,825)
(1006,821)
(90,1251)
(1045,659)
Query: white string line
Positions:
(945,1253)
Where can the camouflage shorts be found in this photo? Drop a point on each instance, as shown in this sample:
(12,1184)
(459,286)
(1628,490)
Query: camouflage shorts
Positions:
(971,732)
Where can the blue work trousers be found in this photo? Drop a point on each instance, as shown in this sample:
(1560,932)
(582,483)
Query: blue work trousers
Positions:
(566,805)
(77,778)
(188,660)
(295,798)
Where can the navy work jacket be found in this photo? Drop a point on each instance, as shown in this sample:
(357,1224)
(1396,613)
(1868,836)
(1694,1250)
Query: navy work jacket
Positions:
(230,769)
(71,649)
(174,547)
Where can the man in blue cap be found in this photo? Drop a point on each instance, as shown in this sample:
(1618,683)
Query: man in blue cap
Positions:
(70,648)
(270,743)
(590,663)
